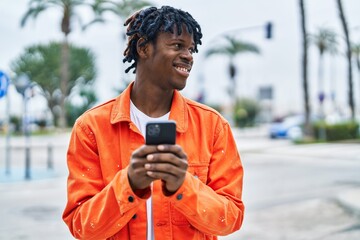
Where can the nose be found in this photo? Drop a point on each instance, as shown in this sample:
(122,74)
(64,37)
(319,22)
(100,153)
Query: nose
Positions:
(187,55)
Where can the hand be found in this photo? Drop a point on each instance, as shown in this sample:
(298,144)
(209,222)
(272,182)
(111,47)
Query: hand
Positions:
(137,174)
(169,164)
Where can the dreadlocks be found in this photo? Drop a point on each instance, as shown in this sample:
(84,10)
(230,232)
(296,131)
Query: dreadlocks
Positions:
(147,23)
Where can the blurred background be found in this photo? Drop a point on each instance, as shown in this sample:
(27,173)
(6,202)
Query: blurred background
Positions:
(286,74)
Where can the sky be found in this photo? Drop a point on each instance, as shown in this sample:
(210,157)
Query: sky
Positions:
(278,65)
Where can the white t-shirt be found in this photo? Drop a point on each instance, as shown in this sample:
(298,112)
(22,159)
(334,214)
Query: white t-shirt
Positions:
(140,119)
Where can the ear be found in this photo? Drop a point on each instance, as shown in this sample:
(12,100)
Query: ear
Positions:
(142,49)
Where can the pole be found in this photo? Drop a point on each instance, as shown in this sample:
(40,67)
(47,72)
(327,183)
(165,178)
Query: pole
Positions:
(27,138)
(50,161)
(7,143)
(321,96)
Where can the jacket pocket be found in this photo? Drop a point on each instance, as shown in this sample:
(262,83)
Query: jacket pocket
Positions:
(198,170)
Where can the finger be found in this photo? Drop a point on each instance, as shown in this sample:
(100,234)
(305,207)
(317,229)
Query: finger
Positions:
(176,149)
(137,163)
(167,177)
(167,158)
(165,168)
(143,151)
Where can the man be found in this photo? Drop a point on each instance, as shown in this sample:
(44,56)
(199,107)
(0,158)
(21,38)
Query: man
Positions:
(120,188)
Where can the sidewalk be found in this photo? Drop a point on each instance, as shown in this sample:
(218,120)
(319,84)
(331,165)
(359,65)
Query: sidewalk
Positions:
(350,200)
(32,209)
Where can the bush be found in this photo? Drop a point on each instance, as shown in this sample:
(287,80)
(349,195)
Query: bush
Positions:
(246,111)
(339,131)
(17,122)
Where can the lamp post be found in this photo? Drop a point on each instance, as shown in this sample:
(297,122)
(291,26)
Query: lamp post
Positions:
(4,84)
(23,84)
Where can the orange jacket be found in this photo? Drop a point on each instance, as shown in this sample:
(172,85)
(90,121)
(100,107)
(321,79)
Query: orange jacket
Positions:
(101,203)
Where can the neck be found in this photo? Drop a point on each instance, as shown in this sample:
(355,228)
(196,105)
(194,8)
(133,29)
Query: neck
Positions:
(151,99)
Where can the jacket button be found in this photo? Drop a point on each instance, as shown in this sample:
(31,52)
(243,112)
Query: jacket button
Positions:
(179,196)
(134,217)
(131,199)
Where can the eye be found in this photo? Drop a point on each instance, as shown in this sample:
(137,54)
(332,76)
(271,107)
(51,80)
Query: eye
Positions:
(178,46)
(192,50)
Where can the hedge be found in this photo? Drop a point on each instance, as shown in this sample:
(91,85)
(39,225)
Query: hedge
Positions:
(339,131)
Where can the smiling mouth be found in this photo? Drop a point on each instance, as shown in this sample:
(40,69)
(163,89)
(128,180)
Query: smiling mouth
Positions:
(183,69)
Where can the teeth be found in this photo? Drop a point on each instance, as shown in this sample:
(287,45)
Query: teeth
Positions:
(183,69)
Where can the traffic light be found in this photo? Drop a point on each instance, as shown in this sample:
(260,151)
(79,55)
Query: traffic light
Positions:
(268,30)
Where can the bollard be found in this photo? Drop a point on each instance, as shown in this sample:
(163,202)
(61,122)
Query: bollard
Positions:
(27,162)
(50,162)
(7,158)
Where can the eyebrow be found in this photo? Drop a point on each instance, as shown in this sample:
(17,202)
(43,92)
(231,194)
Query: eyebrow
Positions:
(177,39)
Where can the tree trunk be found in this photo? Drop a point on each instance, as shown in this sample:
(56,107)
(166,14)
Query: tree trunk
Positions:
(321,97)
(358,64)
(348,56)
(233,92)
(64,74)
(321,88)
(307,127)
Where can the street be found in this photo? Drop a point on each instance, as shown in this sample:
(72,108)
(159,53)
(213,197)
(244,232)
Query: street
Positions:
(290,192)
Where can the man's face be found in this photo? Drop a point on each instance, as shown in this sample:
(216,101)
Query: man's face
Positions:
(170,59)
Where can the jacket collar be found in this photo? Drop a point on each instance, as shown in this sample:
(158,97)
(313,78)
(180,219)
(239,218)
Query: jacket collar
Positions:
(178,112)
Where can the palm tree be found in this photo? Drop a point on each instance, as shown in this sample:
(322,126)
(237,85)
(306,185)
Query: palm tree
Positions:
(356,51)
(121,9)
(333,51)
(67,8)
(325,40)
(307,127)
(348,57)
(231,49)
(356,54)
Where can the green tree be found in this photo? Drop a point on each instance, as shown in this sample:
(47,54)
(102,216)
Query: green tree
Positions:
(246,111)
(348,57)
(67,8)
(231,49)
(304,62)
(42,64)
(82,98)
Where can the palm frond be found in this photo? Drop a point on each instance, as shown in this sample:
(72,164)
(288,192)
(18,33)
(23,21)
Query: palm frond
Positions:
(233,47)
(96,20)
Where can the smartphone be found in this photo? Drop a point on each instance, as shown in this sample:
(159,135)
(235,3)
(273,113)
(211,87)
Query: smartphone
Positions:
(163,132)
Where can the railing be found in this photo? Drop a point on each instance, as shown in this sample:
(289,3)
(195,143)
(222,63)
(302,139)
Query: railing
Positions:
(30,156)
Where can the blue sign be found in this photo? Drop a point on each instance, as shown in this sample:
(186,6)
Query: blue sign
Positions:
(4,84)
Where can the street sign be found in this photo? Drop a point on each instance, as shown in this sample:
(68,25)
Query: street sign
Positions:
(4,84)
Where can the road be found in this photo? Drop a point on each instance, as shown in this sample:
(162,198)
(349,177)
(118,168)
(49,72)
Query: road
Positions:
(289,192)
(274,179)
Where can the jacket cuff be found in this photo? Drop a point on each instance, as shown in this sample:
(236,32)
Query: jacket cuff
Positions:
(126,197)
(183,189)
